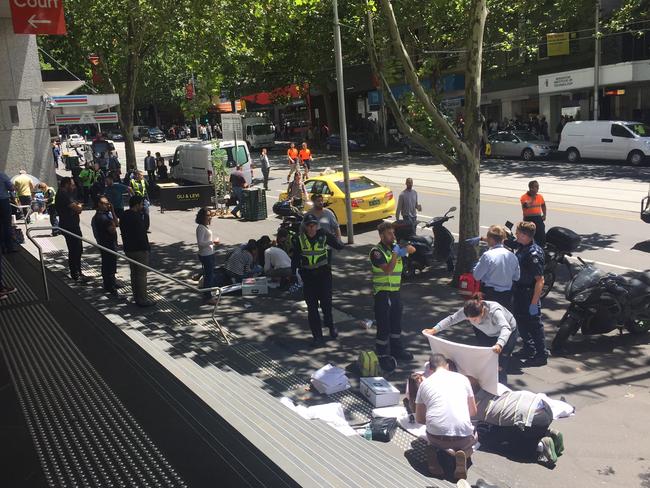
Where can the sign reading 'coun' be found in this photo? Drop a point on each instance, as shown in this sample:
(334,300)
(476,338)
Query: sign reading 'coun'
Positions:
(41,17)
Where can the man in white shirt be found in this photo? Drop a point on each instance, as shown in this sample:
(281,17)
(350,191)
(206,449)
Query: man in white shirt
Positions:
(277,263)
(445,403)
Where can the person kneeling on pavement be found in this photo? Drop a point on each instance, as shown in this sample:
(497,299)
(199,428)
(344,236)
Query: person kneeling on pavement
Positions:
(277,263)
(445,404)
(241,263)
(311,256)
(520,419)
(494,326)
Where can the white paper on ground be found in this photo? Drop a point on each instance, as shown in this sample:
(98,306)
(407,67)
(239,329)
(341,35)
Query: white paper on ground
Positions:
(480,362)
(415,429)
(395,411)
(330,379)
(330,413)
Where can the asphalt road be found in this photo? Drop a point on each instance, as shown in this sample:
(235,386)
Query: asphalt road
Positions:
(598,200)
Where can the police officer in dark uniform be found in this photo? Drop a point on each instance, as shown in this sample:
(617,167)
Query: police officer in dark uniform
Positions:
(527,292)
(310,256)
(386,260)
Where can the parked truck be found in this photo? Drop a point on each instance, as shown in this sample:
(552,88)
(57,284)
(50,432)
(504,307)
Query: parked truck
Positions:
(255,128)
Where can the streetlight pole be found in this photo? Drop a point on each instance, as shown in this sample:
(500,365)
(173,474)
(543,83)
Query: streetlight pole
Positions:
(196,117)
(343,127)
(597,61)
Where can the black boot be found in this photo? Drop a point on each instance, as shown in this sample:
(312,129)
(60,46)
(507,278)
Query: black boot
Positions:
(398,351)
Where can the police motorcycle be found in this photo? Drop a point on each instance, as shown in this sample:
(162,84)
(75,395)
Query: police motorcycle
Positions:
(560,243)
(428,249)
(602,302)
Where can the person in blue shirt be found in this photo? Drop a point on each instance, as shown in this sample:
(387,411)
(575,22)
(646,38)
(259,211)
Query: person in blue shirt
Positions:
(115,193)
(527,292)
(497,269)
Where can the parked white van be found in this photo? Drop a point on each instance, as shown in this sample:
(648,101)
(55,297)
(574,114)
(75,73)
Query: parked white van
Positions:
(193,162)
(606,139)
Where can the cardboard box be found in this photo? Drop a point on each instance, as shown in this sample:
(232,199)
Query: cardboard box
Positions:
(254,286)
(379,392)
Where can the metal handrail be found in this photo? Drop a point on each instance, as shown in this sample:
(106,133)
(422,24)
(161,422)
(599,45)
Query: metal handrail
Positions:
(216,289)
(27,217)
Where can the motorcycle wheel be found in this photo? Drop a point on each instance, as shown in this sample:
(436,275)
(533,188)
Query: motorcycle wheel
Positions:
(638,326)
(549,281)
(566,330)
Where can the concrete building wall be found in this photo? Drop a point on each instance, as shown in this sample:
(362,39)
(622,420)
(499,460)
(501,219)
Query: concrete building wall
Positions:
(25,139)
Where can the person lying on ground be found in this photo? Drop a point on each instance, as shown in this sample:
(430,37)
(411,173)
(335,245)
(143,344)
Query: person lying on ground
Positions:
(521,419)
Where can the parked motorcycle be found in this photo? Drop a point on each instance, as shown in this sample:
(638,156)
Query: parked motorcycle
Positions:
(428,249)
(560,243)
(601,302)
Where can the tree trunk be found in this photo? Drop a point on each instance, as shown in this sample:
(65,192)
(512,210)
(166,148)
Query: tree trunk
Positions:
(330,116)
(469,183)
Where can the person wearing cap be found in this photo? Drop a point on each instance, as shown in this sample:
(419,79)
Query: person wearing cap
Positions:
(311,257)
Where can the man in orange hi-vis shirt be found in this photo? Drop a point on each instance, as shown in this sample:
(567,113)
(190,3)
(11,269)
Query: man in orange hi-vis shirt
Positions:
(292,159)
(305,159)
(534,208)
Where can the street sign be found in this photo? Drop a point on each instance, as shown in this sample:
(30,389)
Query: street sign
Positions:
(40,17)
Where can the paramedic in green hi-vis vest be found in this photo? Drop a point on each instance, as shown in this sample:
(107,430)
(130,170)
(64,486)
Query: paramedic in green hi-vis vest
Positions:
(386,259)
(310,256)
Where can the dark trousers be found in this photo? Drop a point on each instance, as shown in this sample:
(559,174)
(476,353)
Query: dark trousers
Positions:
(54,218)
(265,174)
(86,195)
(75,249)
(139,275)
(503,298)
(25,200)
(317,290)
(388,315)
(208,263)
(109,267)
(152,176)
(5,225)
(487,341)
(521,443)
(540,229)
(530,327)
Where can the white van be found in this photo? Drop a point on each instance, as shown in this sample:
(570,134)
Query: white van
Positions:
(606,139)
(193,162)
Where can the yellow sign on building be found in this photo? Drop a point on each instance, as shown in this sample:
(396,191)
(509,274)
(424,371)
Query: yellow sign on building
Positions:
(557,44)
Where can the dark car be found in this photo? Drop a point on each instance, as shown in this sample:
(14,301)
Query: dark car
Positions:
(355,142)
(115,135)
(411,147)
(151,134)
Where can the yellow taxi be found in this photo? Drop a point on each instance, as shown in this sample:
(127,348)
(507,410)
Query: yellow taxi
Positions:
(370,200)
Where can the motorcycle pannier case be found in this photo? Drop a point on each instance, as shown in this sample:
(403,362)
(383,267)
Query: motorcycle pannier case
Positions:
(562,238)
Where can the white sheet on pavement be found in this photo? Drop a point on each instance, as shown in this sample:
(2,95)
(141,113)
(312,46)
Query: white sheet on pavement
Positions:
(480,362)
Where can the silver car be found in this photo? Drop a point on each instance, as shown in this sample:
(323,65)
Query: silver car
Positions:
(518,144)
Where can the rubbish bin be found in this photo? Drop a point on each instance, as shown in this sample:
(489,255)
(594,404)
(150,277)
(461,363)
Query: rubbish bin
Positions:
(254,204)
